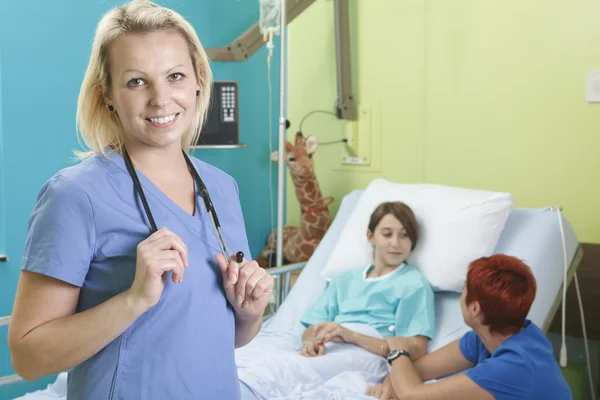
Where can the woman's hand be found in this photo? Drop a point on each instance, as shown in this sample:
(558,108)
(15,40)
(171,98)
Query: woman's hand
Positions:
(312,349)
(247,286)
(161,252)
(383,391)
(332,332)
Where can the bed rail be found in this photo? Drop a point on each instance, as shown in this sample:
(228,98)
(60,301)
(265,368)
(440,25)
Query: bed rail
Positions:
(559,297)
(10,379)
(283,273)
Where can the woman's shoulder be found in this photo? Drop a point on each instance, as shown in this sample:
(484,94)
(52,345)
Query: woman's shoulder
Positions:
(210,173)
(81,175)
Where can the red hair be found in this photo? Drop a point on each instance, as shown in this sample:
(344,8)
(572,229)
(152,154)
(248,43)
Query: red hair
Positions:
(505,288)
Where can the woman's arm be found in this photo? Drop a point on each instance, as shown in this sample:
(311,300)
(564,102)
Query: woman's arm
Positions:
(443,362)
(407,377)
(446,361)
(45,335)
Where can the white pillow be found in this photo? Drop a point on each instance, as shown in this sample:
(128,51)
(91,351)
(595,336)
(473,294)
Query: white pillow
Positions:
(456,226)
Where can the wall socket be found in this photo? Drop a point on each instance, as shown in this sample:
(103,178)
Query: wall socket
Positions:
(592,87)
(357,150)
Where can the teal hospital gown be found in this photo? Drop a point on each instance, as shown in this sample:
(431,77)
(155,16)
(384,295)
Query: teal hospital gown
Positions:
(400,303)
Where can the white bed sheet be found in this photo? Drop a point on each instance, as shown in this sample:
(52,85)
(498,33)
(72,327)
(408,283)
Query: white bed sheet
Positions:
(274,369)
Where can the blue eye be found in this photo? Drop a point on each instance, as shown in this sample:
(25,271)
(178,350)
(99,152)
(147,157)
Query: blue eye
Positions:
(135,82)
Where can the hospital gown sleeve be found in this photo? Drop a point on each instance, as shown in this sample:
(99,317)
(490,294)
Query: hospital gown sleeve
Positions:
(415,313)
(325,309)
(61,232)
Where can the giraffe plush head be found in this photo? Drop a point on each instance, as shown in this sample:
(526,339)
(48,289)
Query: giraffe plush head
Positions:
(299,157)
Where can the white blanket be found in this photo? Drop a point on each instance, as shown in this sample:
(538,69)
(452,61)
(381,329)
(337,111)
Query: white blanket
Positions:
(272,366)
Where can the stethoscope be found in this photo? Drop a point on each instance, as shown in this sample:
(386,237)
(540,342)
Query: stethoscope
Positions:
(210,208)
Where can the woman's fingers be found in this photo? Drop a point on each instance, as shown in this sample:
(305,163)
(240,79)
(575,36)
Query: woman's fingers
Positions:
(164,239)
(178,268)
(264,286)
(245,276)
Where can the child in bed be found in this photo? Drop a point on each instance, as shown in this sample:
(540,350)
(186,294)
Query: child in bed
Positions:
(389,295)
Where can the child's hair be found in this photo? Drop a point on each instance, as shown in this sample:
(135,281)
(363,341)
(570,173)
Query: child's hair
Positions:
(402,212)
(505,288)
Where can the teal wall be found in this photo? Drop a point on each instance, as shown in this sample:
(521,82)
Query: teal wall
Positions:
(2,248)
(45,49)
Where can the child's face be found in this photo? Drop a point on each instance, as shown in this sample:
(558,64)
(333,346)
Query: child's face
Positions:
(390,241)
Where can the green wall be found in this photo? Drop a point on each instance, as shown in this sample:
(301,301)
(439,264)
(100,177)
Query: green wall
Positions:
(473,93)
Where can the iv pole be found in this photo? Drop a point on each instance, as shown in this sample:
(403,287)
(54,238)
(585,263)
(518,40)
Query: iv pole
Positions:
(249,42)
(280,161)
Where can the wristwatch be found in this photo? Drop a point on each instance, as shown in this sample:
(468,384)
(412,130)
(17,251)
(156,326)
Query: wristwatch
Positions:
(397,353)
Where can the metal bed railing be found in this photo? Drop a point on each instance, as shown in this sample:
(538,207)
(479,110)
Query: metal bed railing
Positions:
(282,277)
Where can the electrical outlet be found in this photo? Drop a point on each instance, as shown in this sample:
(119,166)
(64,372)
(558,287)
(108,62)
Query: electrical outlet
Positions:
(592,87)
(358,133)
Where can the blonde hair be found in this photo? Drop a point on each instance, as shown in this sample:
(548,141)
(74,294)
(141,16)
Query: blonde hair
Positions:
(97,126)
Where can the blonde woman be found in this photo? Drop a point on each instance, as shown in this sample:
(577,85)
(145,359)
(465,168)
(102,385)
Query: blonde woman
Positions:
(123,279)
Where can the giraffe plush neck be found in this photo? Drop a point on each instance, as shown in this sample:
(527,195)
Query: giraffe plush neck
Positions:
(299,159)
(300,242)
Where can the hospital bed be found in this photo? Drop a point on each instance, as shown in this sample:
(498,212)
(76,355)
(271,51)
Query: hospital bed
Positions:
(269,367)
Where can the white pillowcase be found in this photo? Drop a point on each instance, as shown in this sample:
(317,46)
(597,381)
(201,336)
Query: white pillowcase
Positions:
(456,226)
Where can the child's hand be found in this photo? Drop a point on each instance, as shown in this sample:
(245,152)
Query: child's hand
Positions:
(313,349)
(332,332)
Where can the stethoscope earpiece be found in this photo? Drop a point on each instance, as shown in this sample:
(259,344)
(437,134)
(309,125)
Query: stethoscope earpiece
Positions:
(239,256)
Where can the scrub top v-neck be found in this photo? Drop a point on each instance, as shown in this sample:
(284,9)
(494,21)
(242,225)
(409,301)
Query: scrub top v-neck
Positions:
(85,229)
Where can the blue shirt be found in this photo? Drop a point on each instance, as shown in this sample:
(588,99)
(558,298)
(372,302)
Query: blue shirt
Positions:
(84,230)
(400,303)
(522,368)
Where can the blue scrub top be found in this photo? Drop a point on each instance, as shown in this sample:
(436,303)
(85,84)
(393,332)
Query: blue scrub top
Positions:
(523,368)
(85,229)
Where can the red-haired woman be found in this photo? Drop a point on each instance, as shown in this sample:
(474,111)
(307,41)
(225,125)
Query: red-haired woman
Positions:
(505,356)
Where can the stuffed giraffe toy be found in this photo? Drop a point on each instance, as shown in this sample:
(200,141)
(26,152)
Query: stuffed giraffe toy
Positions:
(299,243)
